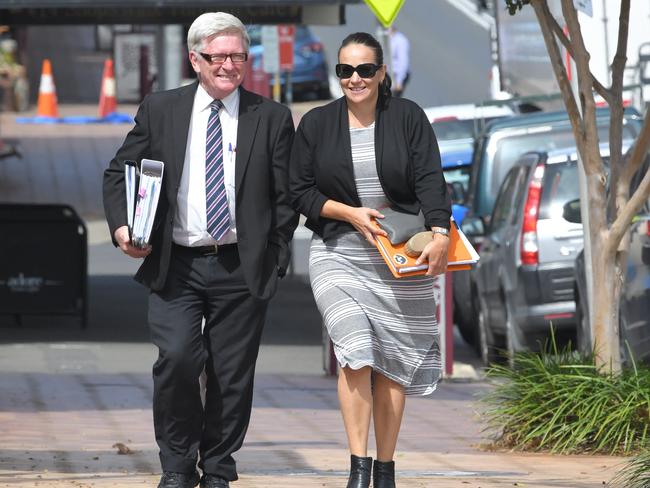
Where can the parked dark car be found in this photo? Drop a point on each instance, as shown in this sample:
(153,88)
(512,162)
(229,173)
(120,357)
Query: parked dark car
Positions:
(310,77)
(499,146)
(634,315)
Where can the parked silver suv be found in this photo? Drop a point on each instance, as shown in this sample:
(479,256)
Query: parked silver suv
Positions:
(525,275)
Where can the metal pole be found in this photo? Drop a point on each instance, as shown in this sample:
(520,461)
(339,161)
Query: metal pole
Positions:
(276,86)
(288,91)
(606,38)
(172,53)
(584,210)
(384,39)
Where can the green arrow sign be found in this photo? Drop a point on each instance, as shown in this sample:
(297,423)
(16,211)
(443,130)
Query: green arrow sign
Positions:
(385,10)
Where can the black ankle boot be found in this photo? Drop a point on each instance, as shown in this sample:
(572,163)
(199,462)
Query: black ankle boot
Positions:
(383,474)
(359,472)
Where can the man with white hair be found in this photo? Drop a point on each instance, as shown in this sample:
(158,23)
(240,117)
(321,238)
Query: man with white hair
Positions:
(220,242)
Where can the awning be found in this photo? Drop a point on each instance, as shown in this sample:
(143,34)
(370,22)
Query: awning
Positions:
(38,12)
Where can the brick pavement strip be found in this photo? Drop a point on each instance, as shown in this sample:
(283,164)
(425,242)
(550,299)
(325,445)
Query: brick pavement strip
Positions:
(62,430)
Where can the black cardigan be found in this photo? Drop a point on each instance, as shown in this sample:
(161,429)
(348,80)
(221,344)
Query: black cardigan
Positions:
(407,156)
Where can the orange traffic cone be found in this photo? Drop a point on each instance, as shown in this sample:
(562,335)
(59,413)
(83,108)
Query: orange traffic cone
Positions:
(107,100)
(47,103)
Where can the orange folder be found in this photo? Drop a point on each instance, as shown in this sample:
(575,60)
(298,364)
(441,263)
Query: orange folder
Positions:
(461,254)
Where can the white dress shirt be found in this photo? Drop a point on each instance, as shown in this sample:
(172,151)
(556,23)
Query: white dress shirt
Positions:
(399,50)
(190,223)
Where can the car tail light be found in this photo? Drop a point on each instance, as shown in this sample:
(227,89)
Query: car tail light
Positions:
(647,228)
(529,249)
(444,119)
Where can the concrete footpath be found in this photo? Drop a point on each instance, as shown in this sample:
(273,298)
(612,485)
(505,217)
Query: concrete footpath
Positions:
(75,404)
(78,415)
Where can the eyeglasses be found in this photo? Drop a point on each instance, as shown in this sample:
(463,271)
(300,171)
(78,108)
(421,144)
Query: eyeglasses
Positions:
(365,70)
(220,58)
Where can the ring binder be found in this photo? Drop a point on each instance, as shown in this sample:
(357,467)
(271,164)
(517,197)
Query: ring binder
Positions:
(141,205)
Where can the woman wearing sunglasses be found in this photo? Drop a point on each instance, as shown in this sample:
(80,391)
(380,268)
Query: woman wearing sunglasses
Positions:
(351,158)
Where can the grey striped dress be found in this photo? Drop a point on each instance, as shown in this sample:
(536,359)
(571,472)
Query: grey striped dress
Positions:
(373,318)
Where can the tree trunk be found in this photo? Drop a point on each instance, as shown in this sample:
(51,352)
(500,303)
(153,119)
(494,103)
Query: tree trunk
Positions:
(605,273)
(606,297)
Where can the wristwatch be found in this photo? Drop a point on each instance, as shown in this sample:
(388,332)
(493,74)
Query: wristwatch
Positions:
(440,230)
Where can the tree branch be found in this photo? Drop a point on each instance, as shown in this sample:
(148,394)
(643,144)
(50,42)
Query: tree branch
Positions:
(559,33)
(620,58)
(639,150)
(544,17)
(617,199)
(627,213)
(589,127)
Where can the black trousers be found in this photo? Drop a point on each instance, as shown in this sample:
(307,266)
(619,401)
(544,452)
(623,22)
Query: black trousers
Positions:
(212,287)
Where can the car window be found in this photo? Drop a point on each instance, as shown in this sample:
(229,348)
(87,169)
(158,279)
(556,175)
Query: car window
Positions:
(255,34)
(450,129)
(504,200)
(301,34)
(518,197)
(560,186)
(460,175)
(504,150)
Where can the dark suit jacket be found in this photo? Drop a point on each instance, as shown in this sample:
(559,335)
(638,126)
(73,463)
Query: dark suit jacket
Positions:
(265,219)
(407,157)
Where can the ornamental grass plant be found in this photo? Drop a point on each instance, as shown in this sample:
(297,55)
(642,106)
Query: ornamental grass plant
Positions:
(558,401)
(635,474)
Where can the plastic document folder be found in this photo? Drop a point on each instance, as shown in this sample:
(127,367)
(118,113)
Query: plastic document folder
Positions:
(141,205)
(461,254)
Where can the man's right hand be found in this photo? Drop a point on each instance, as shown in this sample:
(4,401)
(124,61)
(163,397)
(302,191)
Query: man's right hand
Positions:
(122,237)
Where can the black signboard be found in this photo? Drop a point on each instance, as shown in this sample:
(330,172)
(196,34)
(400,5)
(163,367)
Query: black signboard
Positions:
(43,261)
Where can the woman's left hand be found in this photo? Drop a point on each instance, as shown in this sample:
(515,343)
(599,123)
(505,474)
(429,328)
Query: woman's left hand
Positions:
(435,253)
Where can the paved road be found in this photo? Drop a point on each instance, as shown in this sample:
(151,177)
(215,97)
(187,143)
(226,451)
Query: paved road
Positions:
(450,54)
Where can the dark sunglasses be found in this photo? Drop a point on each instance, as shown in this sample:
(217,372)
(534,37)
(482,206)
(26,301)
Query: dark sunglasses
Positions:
(365,70)
(219,58)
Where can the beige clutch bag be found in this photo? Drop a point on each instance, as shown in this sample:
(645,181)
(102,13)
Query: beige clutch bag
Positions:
(415,245)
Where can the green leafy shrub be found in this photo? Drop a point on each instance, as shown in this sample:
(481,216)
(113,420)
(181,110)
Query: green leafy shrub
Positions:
(558,401)
(636,474)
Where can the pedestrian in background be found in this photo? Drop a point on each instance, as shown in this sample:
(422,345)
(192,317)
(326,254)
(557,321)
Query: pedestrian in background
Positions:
(383,329)
(220,241)
(400,60)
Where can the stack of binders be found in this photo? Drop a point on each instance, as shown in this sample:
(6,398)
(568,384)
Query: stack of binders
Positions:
(141,206)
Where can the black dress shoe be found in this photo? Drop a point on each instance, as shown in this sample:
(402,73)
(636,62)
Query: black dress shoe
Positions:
(359,472)
(170,479)
(213,481)
(383,474)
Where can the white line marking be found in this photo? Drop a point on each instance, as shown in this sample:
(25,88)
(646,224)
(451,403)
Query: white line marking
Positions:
(469,9)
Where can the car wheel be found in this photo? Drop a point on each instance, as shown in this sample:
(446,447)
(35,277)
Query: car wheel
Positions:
(486,343)
(624,349)
(466,328)
(514,339)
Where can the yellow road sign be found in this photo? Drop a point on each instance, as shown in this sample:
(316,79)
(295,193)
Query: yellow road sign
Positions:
(385,10)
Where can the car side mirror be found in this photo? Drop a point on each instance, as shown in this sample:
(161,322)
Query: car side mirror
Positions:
(571,211)
(473,226)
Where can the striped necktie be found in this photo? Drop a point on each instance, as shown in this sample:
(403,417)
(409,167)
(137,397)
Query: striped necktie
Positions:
(216,201)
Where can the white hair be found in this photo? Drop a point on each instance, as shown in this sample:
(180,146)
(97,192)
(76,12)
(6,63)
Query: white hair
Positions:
(215,23)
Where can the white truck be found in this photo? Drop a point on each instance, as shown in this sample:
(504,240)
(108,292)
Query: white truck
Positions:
(523,62)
